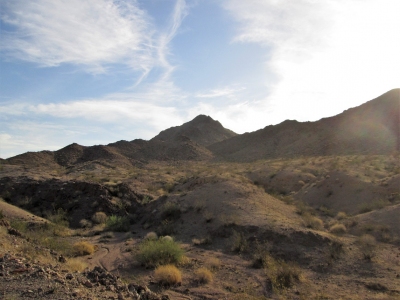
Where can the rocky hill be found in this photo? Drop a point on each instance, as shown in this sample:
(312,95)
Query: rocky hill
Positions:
(203,130)
(372,128)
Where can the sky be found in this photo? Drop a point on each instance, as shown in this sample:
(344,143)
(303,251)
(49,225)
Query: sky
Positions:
(99,71)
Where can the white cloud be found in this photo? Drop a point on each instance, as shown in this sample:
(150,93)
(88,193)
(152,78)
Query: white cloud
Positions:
(327,55)
(93,33)
(227,92)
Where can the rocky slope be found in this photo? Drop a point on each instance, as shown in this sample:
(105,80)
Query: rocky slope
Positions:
(372,128)
(203,130)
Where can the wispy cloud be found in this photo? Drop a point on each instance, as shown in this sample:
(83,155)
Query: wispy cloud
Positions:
(92,33)
(327,55)
(227,92)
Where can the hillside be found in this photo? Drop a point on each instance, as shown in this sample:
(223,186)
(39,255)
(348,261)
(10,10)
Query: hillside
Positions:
(372,128)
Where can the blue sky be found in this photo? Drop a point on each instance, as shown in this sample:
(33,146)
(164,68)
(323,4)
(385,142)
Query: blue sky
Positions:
(98,71)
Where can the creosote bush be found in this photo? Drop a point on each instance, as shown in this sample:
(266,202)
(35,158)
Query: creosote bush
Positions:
(83,248)
(117,223)
(313,222)
(168,275)
(203,275)
(153,253)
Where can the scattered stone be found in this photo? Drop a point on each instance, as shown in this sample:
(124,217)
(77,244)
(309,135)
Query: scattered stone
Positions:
(13,231)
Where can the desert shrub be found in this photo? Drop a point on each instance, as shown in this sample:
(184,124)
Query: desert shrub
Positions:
(167,238)
(338,229)
(341,215)
(203,275)
(368,246)
(171,211)
(83,248)
(19,225)
(238,242)
(59,217)
(99,218)
(378,204)
(281,275)
(117,223)
(168,275)
(85,223)
(327,211)
(312,222)
(153,253)
(261,253)
(75,265)
(1,214)
(335,249)
(303,208)
(214,263)
(151,236)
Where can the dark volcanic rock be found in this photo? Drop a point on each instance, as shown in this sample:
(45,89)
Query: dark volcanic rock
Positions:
(79,199)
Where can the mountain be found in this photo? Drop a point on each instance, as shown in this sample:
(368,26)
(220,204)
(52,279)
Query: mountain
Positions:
(185,142)
(202,130)
(372,128)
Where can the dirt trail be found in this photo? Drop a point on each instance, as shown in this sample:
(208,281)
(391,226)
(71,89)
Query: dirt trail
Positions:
(113,254)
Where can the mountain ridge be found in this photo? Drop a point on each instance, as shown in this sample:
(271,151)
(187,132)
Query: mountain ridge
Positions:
(371,128)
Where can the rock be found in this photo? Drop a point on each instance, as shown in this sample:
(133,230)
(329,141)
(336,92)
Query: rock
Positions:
(62,259)
(13,231)
(88,284)
(4,223)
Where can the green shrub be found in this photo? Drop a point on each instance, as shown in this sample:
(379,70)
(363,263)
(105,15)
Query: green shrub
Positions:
(153,253)
(117,223)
